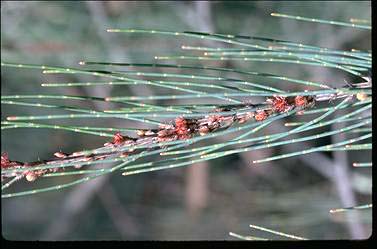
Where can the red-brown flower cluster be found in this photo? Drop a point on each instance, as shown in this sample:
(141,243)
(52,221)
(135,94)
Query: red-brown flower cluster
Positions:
(261,115)
(118,138)
(304,101)
(280,104)
(184,127)
(4,160)
(6,163)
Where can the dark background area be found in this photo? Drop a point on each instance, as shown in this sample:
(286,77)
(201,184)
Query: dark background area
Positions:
(202,202)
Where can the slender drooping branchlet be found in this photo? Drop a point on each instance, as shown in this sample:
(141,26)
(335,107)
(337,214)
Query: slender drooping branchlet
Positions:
(179,129)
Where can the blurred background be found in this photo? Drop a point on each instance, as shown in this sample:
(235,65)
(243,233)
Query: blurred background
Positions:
(202,202)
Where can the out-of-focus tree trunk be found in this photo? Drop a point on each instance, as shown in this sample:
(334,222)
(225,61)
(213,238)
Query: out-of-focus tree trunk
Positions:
(197,188)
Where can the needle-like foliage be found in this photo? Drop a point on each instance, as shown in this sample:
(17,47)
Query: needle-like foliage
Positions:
(179,126)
